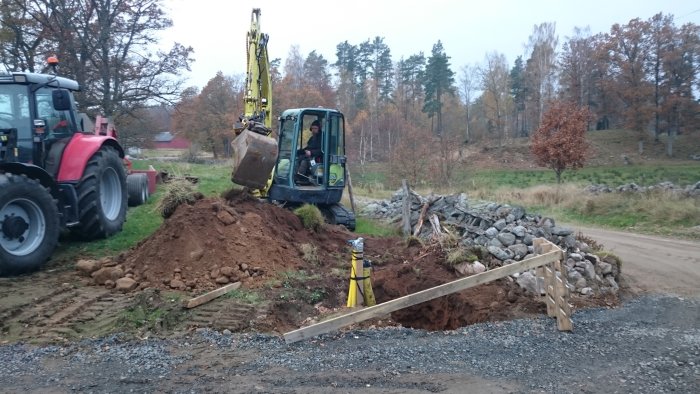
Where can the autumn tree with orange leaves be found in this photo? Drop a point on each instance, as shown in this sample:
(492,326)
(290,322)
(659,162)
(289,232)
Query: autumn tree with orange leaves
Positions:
(560,141)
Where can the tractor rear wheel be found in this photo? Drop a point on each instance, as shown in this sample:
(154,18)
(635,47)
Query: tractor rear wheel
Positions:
(29,224)
(137,189)
(102,196)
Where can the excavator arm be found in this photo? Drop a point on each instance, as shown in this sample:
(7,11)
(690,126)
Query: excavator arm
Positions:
(258,94)
(254,149)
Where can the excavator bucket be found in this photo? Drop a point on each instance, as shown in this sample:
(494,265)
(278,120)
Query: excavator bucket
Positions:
(254,157)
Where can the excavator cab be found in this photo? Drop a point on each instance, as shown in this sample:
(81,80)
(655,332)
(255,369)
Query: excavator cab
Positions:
(324,179)
(324,182)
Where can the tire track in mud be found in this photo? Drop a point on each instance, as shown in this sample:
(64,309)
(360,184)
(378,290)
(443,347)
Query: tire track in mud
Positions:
(223,314)
(55,312)
(45,307)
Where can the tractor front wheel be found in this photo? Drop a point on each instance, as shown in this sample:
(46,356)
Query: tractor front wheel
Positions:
(29,224)
(102,196)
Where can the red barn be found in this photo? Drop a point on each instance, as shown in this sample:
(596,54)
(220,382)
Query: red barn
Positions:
(166,140)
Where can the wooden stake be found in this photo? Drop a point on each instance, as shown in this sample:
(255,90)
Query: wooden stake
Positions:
(352,199)
(419,225)
(435,222)
(406,213)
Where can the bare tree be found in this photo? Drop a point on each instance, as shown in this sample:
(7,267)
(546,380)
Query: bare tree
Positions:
(106,45)
(468,84)
(496,96)
(540,75)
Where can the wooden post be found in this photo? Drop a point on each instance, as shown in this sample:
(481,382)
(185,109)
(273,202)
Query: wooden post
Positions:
(435,222)
(550,291)
(406,213)
(556,293)
(419,225)
(561,300)
(352,199)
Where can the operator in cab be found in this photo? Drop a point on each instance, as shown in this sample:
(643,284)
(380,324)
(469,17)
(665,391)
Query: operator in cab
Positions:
(312,150)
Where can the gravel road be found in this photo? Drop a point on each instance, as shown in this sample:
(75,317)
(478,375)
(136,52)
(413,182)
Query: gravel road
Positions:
(649,345)
(650,263)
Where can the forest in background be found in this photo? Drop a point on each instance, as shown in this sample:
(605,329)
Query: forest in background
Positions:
(415,113)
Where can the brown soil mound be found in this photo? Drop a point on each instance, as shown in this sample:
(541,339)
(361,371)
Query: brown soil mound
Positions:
(237,238)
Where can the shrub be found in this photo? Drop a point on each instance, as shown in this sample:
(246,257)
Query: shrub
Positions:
(613,259)
(413,241)
(177,191)
(311,217)
(460,255)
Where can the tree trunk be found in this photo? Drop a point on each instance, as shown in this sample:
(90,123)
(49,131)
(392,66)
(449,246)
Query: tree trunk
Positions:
(669,144)
(640,146)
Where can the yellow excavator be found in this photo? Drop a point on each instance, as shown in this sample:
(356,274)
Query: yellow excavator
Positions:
(271,164)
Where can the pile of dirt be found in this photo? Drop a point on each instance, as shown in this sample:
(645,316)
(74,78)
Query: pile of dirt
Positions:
(216,241)
(302,273)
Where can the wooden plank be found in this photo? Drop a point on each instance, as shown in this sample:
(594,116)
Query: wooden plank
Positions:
(206,297)
(559,293)
(564,322)
(542,245)
(555,292)
(421,296)
(549,291)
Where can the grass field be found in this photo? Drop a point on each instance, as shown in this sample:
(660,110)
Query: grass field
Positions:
(535,189)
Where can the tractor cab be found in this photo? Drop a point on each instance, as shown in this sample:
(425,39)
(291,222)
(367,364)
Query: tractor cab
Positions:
(36,111)
(321,179)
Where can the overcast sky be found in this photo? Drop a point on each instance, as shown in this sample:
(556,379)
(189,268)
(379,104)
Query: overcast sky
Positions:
(216,29)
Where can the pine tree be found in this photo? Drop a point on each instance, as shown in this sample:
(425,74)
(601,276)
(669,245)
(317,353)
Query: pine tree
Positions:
(439,80)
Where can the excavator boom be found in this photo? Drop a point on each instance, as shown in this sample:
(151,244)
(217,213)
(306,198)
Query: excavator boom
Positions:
(254,150)
(258,94)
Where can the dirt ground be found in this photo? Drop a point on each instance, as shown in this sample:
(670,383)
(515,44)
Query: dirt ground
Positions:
(290,277)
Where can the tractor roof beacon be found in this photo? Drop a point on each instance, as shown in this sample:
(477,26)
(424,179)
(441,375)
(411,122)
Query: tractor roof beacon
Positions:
(54,175)
(271,165)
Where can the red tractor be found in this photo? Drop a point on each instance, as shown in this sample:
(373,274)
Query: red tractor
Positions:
(53,175)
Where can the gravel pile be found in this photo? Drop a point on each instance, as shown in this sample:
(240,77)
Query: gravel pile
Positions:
(649,345)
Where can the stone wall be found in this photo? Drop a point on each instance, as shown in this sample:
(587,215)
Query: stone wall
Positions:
(506,232)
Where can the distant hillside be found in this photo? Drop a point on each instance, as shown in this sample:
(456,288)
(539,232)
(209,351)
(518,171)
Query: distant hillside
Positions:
(608,148)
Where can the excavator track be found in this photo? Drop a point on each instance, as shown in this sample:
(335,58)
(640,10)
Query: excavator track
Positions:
(338,214)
